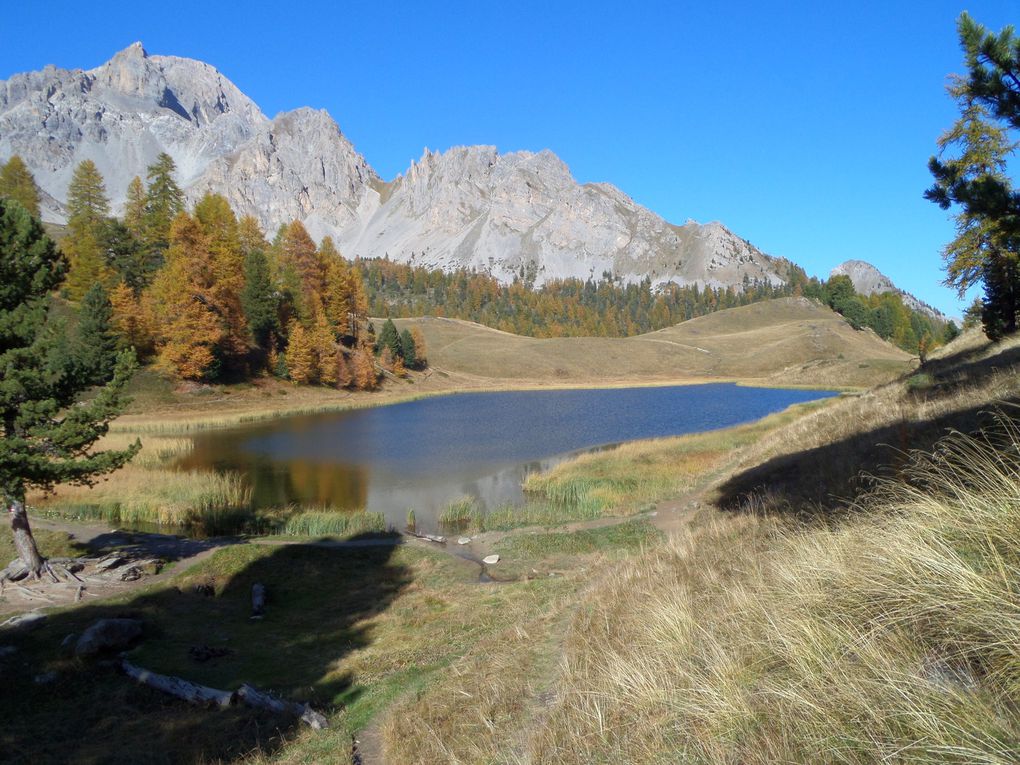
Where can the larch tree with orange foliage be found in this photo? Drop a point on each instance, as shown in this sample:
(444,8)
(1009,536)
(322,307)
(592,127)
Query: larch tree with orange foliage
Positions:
(190,320)
(220,227)
(302,270)
(363,368)
(132,320)
(302,365)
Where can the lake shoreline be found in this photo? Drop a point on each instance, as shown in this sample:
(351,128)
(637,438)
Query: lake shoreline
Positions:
(194,415)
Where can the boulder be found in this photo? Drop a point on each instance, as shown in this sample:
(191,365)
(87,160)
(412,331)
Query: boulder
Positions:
(490,560)
(108,635)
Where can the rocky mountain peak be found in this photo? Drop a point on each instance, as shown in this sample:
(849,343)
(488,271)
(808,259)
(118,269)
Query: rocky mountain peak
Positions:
(470,206)
(868,280)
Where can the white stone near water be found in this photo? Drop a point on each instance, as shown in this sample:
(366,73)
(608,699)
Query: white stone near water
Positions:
(464,540)
(490,560)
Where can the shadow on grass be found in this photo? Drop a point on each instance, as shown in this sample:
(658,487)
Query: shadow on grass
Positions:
(168,547)
(319,601)
(821,481)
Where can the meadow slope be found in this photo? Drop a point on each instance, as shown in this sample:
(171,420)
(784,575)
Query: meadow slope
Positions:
(784,341)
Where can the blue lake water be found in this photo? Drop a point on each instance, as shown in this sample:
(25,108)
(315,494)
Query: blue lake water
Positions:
(426,454)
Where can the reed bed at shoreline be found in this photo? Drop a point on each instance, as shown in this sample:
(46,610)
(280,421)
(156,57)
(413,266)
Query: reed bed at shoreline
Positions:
(332,523)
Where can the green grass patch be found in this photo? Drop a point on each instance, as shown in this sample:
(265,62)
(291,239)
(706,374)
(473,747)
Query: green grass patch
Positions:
(333,524)
(348,629)
(462,515)
(629,535)
(52,544)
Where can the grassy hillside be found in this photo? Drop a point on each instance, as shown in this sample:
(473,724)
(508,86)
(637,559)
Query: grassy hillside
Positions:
(799,612)
(789,341)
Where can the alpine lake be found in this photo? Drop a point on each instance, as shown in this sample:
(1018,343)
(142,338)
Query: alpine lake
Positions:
(426,454)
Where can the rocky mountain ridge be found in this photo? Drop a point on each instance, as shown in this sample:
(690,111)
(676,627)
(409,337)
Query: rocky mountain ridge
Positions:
(868,280)
(511,215)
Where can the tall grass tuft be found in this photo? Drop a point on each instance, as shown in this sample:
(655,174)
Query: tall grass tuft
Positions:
(462,515)
(334,524)
(893,638)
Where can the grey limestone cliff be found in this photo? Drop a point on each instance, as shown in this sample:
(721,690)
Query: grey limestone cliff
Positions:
(508,214)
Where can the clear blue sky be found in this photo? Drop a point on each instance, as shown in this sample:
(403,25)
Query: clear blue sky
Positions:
(805,127)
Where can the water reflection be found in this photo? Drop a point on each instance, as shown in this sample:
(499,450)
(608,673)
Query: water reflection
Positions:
(426,454)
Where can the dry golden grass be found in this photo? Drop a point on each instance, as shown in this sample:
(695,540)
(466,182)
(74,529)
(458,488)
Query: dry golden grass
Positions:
(752,637)
(148,490)
(895,638)
(785,341)
(821,461)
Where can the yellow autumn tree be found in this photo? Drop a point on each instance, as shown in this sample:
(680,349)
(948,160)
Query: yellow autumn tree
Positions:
(344,375)
(301,270)
(419,347)
(191,329)
(325,346)
(363,368)
(132,320)
(345,300)
(226,263)
(300,355)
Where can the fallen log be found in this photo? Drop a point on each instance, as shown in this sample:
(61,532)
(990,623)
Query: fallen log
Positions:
(439,540)
(259,700)
(194,693)
(176,686)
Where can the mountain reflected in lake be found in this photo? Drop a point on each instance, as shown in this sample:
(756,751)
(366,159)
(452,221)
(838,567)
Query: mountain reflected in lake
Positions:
(426,454)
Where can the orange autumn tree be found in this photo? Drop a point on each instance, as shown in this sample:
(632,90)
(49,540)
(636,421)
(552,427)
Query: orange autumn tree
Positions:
(302,365)
(345,300)
(226,263)
(191,328)
(132,320)
(302,272)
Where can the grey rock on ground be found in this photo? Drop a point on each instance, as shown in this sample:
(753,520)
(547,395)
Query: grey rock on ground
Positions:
(108,635)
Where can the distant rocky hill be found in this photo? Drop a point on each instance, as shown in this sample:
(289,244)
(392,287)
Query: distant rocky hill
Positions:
(868,280)
(506,214)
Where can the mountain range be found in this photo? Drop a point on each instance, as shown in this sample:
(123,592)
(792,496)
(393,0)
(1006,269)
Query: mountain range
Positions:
(518,214)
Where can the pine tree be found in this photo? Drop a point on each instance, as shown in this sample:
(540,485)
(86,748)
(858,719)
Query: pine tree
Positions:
(87,208)
(134,208)
(408,352)
(164,200)
(47,436)
(96,347)
(258,299)
(389,338)
(17,183)
(122,254)
(301,365)
(977,180)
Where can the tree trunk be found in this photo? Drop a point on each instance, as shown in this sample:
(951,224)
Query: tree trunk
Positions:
(24,542)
